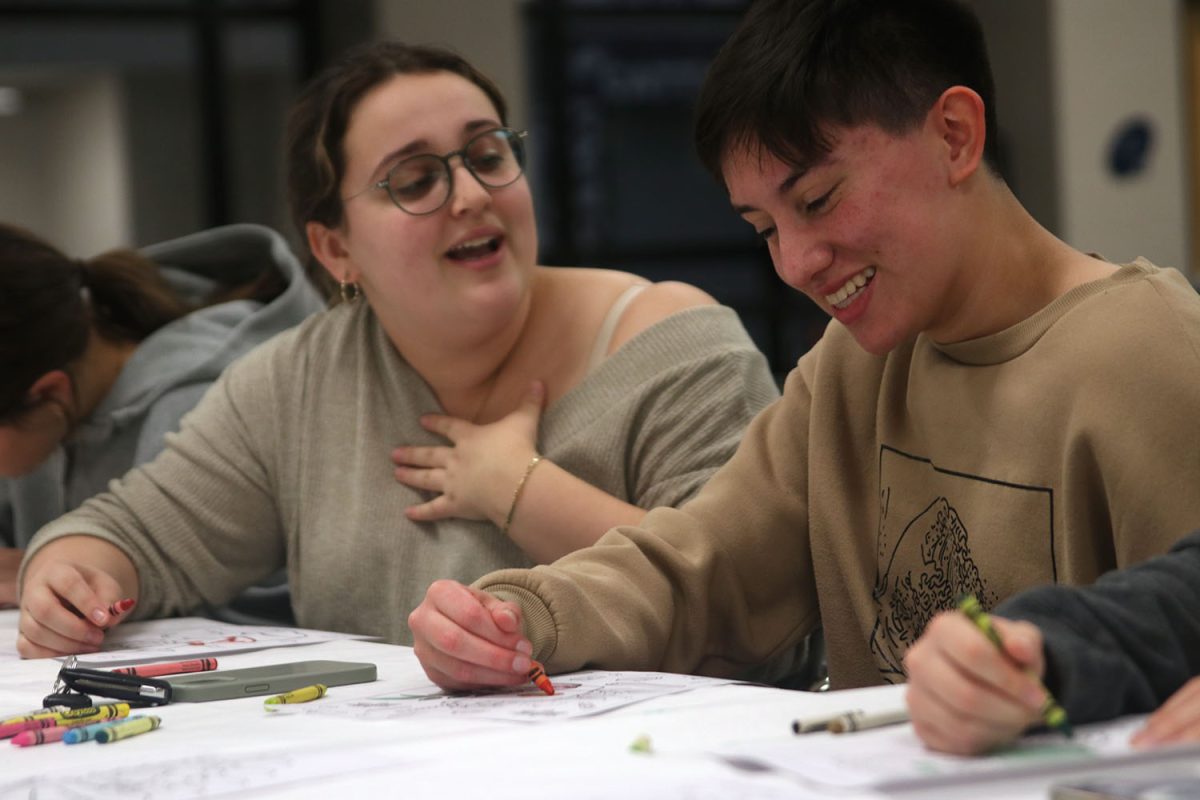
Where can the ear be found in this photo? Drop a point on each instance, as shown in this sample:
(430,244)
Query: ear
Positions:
(54,387)
(960,122)
(328,247)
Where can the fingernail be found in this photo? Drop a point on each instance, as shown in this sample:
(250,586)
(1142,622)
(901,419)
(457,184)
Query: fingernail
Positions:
(525,646)
(98,616)
(522,664)
(1034,697)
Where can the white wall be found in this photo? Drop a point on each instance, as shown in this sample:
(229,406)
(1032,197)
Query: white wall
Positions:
(486,32)
(1097,63)
(1113,59)
(65,180)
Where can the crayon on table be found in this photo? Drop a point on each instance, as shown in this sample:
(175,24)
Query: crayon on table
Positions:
(537,674)
(17,728)
(121,606)
(62,720)
(128,728)
(78,734)
(172,668)
(44,736)
(36,713)
(77,716)
(818,724)
(303,695)
(94,713)
(863,721)
(1052,713)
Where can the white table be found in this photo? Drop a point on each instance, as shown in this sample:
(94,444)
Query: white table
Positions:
(236,748)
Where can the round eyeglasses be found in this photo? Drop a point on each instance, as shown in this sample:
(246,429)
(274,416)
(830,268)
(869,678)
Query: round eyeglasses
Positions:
(422,184)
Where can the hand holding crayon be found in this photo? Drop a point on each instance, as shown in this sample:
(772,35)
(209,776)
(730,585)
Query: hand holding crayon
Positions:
(74,590)
(966,694)
(1053,713)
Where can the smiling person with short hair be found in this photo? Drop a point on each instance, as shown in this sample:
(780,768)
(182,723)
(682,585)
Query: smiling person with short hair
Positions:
(989,409)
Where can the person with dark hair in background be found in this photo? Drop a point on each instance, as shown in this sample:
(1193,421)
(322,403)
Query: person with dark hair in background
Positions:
(399,437)
(989,409)
(101,357)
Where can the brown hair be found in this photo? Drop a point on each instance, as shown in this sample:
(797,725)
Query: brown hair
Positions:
(316,127)
(50,303)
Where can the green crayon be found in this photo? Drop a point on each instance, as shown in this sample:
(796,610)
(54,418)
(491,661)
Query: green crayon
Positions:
(1053,714)
(130,727)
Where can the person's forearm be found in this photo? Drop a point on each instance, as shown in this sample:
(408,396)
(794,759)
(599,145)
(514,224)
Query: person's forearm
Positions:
(557,513)
(87,551)
(1124,644)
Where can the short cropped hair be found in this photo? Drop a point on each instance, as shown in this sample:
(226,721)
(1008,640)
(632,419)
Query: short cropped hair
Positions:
(793,69)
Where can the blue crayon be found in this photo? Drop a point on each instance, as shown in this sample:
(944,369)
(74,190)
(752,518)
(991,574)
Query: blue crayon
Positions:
(86,733)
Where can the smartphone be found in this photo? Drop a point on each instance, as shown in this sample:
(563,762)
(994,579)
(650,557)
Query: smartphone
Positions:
(273,679)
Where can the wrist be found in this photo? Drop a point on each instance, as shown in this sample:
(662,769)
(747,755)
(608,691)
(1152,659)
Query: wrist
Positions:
(518,491)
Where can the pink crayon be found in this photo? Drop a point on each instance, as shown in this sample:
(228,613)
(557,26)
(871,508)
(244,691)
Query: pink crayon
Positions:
(13,728)
(45,736)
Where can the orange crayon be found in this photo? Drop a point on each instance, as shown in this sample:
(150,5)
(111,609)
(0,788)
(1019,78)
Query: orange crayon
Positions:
(538,676)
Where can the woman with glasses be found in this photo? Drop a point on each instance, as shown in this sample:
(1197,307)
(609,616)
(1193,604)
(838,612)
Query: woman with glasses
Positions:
(101,357)
(463,409)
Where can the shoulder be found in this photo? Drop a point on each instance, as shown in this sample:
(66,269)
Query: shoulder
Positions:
(1143,318)
(654,304)
(600,301)
(286,357)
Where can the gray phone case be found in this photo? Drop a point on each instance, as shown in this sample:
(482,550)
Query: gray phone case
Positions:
(272,679)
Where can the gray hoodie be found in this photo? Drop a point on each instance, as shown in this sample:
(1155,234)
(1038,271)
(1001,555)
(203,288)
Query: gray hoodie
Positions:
(167,374)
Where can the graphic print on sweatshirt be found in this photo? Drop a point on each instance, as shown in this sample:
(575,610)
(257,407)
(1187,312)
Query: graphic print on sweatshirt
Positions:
(942,534)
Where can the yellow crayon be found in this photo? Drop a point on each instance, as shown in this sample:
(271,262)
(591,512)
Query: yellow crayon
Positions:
(304,695)
(130,727)
(37,713)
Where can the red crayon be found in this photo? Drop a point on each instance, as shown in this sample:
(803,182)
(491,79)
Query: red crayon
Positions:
(121,606)
(45,736)
(538,676)
(13,728)
(173,668)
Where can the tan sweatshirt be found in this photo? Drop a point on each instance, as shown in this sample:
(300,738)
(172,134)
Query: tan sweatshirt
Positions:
(879,488)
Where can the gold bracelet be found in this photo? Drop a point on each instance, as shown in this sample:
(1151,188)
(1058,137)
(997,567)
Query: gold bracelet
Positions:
(533,462)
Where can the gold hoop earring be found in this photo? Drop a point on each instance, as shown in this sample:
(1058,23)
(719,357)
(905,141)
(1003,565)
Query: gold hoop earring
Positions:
(349,290)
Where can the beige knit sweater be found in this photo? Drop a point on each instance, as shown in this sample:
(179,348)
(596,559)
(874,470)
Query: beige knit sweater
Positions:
(287,461)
